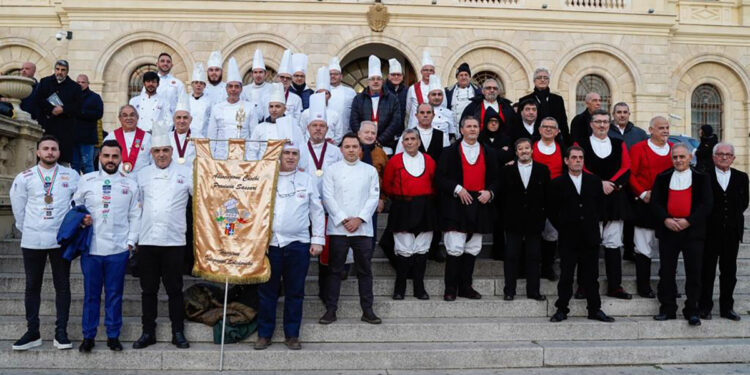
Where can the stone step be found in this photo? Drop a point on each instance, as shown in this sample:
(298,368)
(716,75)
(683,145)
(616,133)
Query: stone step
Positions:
(370,356)
(15,282)
(12,304)
(428,330)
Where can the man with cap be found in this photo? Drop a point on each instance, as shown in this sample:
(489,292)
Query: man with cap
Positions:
(395,83)
(281,127)
(113,200)
(59,101)
(341,95)
(216,90)
(40,198)
(350,193)
(258,89)
(134,142)
(199,104)
(299,87)
(293,101)
(443,119)
(231,118)
(490,101)
(458,96)
(548,104)
(165,187)
(150,104)
(336,129)
(183,150)
(418,91)
(170,86)
(379,106)
(298,231)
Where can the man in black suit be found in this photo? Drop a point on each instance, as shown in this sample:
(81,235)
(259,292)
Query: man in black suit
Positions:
(523,191)
(579,126)
(548,104)
(525,125)
(574,204)
(681,200)
(726,223)
(59,103)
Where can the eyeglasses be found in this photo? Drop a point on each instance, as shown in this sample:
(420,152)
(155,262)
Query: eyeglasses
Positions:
(542,78)
(490,88)
(724,155)
(600,122)
(548,127)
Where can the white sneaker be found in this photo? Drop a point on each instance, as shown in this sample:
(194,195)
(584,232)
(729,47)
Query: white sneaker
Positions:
(27,341)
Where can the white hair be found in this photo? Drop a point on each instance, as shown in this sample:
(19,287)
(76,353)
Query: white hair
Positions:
(723,144)
(539,70)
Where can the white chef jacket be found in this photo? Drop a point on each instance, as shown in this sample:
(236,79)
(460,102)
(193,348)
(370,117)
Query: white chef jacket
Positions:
(350,190)
(37,220)
(164,195)
(257,93)
(336,128)
(284,128)
(217,93)
(222,125)
(298,205)
(144,155)
(200,111)
(293,107)
(461,99)
(444,121)
(332,155)
(151,109)
(411,98)
(113,201)
(171,88)
(189,148)
(341,102)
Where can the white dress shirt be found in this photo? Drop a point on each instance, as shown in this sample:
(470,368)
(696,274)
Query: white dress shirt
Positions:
(37,220)
(332,156)
(298,205)
(414,164)
(659,150)
(495,106)
(114,203)
(602,147)
(525,171)
(164,195)
(471,153)
(144,154)
(425,136)
(336,128)
(681,180)
(350,190)
(189,148)
(151,109)
(723,178)
(222,125)
(529,127)
(216,93)
(200,111)
(341,102)
(577,181)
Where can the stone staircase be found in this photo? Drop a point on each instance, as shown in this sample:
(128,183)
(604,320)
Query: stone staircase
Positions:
(422,337)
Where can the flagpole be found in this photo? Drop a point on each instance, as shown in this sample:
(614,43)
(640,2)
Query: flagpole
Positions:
(223,325)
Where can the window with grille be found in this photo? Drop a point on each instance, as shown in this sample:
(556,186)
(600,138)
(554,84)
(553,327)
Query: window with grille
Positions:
(248,77)
(355,73)
(135,83)
(479,78)
(706,108)
(592,83)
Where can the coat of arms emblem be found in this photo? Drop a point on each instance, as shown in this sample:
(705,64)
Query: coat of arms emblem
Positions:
(377,17)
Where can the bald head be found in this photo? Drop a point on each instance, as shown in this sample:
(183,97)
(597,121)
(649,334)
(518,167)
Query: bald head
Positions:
(593,102)
(28,69)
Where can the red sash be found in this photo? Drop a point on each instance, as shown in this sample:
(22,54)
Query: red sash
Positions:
(418,93)
(132,155)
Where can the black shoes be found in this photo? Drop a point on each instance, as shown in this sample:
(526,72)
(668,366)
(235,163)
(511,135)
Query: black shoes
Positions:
(292,343)
(113,343)
(508,297)
(580,294)
(179,340)
(648,294)
(731,315)
(146,339)
(694,321)
(424,296)
(549,274)
(328,318)
(601,316)
(706,315)
(27,341)
(558,317)
(665,316)
(620,293)
(370,317)
(262,343)
(537,297)
(469,293)
(61,341)
(86,346)
(398,296)
(450,294)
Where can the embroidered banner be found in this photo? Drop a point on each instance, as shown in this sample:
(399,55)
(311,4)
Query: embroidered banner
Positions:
(233,212)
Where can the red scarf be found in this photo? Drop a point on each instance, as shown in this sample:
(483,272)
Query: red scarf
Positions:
(131,156)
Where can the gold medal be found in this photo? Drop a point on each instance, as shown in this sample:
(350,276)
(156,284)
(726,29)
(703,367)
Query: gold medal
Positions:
(181,161)
(319,172)
(127,167)
(48,199)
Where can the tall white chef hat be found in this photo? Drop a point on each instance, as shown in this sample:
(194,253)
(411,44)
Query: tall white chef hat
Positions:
(160,134)
(199,73)
(258,62)
(299,63)
(373,67)
(215,60)
(317,108)
(277,93)
(182,103)
(427,59)
(233,72)
(323,79)
(394,66)
(434,83)
(334,64)
(285,67)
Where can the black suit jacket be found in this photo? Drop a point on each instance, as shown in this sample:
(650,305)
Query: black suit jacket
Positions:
(435,148)
(576,216)
(580,127)
(727,214)
(523,207)
(474,109)
(517,131)
(700,204)
(553,106)
(390,118)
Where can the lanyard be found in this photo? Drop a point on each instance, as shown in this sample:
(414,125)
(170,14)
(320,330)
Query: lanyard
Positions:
(48,190)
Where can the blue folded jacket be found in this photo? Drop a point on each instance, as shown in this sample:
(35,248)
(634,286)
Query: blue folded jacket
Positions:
(74,239)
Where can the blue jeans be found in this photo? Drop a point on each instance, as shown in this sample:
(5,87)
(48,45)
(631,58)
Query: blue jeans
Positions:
(108,272)
(83,158)
(289,263)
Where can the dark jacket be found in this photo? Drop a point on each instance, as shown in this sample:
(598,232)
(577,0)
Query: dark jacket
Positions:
(63,125)
(632,135)
(303,92)
(435,148)
(400,91)
(516,130)
(390,120)
(474,109)
(92,109)
(580,127)
(498,141)
(523,207)
(74,239)
(549,104)
(705,152)
(727,215)
(449,93)
(29,104)
(576,216)
(701,204)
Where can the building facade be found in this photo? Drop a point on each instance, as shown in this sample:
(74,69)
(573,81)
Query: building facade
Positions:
(688,60)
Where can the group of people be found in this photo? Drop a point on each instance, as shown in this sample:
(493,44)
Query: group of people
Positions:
(451,164)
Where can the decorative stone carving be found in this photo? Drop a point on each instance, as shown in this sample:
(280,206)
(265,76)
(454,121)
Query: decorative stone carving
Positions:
(378,17)
(15,88)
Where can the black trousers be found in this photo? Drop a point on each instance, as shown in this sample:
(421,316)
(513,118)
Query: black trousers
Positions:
(527,247)
(587,259)
(161,263)
(720,248)
(339,247)
(34,261)
(670,246)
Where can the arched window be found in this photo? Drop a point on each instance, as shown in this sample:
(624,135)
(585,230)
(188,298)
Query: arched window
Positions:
(135,83)
(12,72)
(479,78)
(248,77)
(355,73)
(706,108)
(592,83)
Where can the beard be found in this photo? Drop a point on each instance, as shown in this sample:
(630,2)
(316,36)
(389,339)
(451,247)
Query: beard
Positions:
(111,168)
(215,82)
